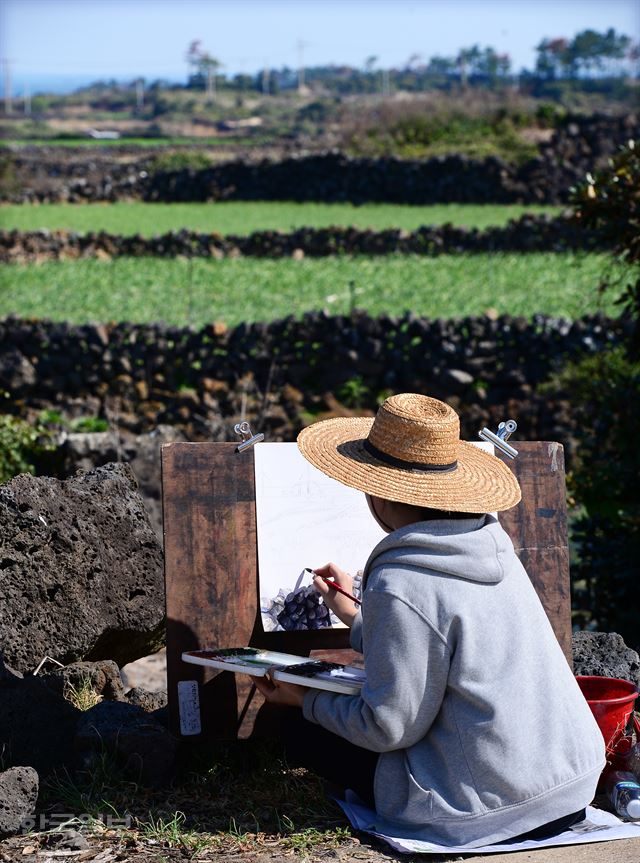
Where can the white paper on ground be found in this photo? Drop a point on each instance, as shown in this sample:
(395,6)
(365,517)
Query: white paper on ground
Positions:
(599,826)
(306,519)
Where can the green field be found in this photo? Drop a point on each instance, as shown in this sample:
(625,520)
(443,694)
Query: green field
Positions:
(248,289)
(124,142)
(243,217)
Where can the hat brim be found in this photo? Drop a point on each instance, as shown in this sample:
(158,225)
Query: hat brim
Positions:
(481,482)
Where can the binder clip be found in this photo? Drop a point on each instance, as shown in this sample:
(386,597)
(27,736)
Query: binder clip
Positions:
(499,438)
(248,439)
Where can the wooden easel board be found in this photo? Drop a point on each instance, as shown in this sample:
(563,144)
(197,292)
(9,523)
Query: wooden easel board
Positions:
(211,576)
(538,529)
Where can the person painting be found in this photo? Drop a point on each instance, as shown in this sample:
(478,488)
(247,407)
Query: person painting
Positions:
(471,728)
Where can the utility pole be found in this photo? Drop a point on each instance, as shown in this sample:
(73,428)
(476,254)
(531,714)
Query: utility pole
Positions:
(462,65)
(301,46)
(140,94)
(386,89)
(7,86)
(265,78)
(211,84)
(27,100)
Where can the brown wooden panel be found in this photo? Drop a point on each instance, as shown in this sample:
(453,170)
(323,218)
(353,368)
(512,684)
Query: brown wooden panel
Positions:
(538,529)
(210,571)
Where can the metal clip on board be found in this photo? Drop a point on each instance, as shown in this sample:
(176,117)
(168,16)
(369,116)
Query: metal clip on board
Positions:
(248,438)
(499,438)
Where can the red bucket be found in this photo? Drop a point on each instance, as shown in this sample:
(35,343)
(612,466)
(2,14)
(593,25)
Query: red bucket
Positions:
(611,701)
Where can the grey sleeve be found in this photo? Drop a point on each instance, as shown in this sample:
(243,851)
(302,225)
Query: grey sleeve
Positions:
(407,665)
(355,636)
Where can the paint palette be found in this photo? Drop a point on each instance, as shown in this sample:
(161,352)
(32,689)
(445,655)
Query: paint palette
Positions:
(315,673)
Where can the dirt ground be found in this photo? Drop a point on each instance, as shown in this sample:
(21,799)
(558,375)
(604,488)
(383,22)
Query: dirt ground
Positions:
(111,848)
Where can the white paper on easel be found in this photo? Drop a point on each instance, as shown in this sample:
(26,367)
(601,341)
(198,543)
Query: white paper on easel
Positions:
(306,519)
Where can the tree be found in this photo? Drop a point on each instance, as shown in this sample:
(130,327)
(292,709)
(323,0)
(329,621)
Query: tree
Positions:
(483,64)
(609,202)
(588,52)
(370,63)
(467,59)
(604,392)
(243,82)
(491,65)
(205,66)
(553,58)
(504,65)
(591,50)
(616,45)
(441,66)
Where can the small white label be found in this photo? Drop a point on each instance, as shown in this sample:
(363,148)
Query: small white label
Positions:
(189,707)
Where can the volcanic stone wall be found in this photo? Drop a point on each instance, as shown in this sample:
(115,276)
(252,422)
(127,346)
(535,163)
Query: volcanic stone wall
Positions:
(287,373)
(579,145)
(527,234)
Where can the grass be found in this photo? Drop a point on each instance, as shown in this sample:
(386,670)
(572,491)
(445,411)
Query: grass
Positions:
(101,792)
(228,797)
(171,832)
(124,142)
(199,291)
(421,137)
(240,217)
(83,696)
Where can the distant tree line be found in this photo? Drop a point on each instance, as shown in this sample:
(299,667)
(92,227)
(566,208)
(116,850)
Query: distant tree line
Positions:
(590,62)
(589,55)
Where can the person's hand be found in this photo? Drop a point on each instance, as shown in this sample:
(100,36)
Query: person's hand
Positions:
(279,692)
(345,609)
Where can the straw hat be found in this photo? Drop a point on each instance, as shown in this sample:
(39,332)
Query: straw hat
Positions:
(411,452)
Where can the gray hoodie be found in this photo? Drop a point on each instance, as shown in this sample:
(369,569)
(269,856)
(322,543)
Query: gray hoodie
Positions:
(482,730)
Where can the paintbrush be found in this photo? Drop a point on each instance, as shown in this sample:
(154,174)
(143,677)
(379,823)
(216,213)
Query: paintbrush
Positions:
(334,585)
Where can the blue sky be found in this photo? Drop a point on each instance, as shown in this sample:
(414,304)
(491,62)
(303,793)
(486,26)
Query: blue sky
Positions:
(126,38)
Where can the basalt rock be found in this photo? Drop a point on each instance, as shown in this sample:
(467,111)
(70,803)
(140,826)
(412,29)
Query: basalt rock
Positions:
(7,674)
(81,570)
(87,450)
(143,454)
(103,677)
(141,746)
(16,371)
(18,796)
(147,700)
(37,725)
(63,842)
(604,654)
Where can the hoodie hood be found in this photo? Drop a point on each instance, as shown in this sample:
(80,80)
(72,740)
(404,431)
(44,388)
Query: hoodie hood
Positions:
(471,549)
